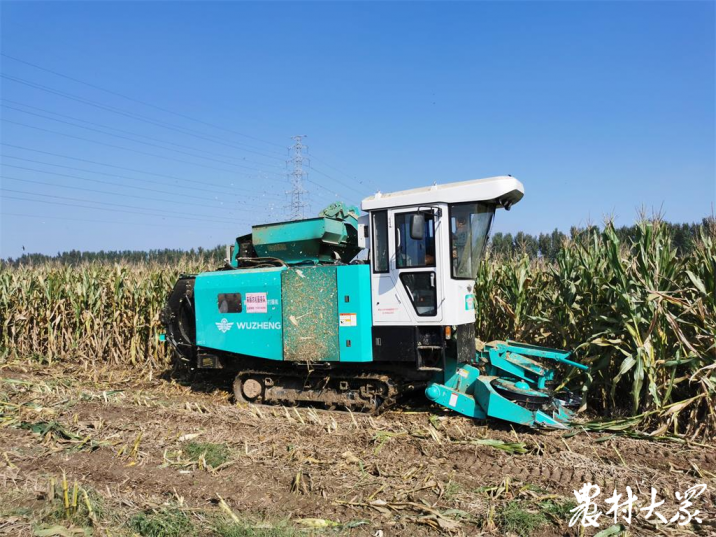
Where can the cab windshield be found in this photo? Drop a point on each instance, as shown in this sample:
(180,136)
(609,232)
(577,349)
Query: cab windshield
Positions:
(469,228)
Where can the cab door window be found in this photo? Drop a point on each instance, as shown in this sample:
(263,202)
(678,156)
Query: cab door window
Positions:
(414,252)
(421,290)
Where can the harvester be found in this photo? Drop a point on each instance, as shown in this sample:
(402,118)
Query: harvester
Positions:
(356,311)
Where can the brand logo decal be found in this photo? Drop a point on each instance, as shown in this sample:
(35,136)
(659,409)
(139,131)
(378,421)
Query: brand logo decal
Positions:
(224,326)
(253,325)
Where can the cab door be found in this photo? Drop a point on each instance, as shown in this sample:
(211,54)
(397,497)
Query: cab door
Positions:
(415,266)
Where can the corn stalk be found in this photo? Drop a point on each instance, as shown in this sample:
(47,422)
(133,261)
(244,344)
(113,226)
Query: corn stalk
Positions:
(92,313)
(641,316)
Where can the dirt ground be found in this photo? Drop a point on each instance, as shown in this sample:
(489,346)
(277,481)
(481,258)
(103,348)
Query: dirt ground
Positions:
(133,451)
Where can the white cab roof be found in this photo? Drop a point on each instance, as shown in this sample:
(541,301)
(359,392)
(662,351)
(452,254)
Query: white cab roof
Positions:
(502,189)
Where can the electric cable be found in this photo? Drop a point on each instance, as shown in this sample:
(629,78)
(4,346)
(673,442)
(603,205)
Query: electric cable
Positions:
(137,210)
(122,167)
(256,195)
(124,131)
(138,100)
(132,140)
(131,115)
(227,205)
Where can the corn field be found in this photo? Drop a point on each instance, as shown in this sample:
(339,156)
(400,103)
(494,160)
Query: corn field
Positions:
(642,317)
(94,312)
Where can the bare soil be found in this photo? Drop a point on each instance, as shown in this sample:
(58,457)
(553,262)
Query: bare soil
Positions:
(411,471)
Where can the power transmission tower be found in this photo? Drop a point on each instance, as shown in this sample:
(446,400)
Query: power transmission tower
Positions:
(298,194)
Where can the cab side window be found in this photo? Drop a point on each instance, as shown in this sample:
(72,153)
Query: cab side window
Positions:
(229,302)
(379,242)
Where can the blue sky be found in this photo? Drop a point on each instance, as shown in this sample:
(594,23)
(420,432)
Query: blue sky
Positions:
(599,108)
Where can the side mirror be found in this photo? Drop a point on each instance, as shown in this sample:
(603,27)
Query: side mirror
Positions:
(417,227)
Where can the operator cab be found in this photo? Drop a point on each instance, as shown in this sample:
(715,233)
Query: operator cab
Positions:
(426,246)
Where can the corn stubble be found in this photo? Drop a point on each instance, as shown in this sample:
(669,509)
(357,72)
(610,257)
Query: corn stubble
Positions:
(641,316)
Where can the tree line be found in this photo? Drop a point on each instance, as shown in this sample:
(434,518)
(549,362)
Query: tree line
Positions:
(545,245)
(165,255)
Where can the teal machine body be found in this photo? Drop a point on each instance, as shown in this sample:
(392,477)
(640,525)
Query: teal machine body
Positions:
(292,315)
(276,313)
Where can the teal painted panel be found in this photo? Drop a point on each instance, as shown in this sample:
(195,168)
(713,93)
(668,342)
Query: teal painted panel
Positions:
(310,314)
(355,314)
(312,240)
(254,331)
(292,242)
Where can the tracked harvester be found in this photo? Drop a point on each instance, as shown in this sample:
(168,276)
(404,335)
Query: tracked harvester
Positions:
(298,319)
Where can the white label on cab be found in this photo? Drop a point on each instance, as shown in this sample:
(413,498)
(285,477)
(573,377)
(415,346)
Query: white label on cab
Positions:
(348,319)
(256,303)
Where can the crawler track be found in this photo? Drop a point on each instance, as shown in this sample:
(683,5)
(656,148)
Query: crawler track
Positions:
(371,392)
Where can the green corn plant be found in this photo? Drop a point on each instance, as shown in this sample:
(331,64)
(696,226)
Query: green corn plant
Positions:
(641,316)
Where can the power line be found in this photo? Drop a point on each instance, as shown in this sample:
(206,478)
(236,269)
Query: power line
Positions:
(146,212)
(139,101)
(104,209)
(120,176)
(336,180)
(132,115)
(194,204)
(334,196)
(164,157)
(314,157)
(153,211)
(337,196)
(139,118)
(124,131)
(131,140)
(125,223)
(102,192)
(203,185)
(127,148)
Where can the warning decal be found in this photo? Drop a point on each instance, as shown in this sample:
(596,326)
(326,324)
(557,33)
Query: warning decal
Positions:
(348,319)
(256,303)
